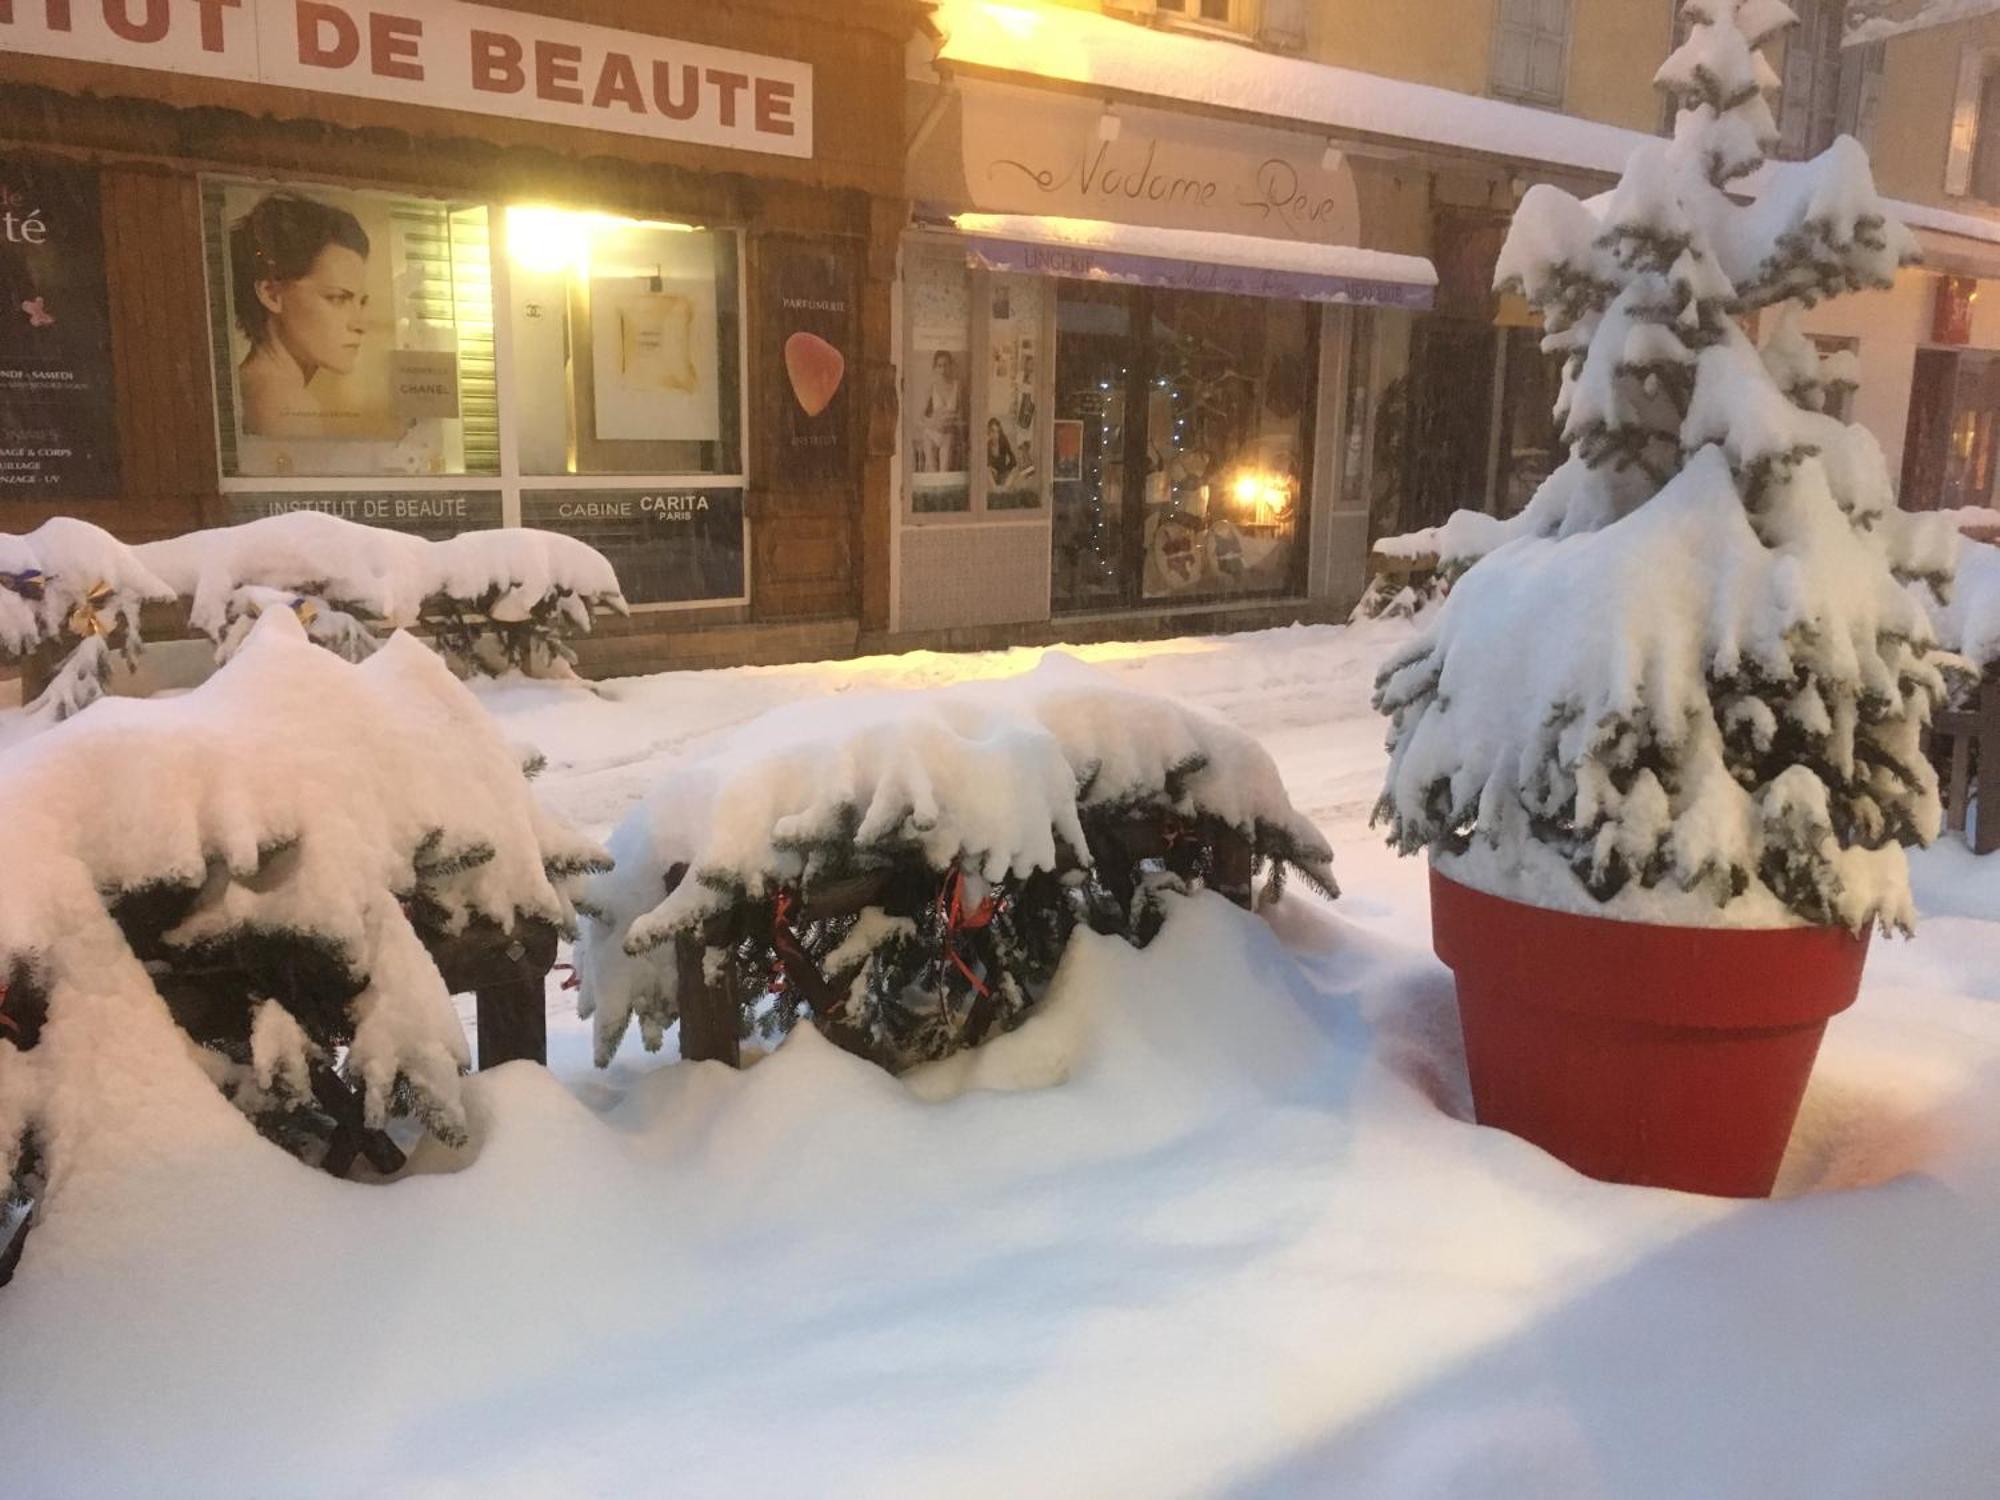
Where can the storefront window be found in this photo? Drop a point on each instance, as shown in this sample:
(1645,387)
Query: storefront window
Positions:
(1227,420)
(1530,445)
(937,387)
(628,345)
(1181,445)
(1014,465)
(353,332)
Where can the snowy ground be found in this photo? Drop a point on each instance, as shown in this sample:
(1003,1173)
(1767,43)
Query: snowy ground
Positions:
(1249,1247)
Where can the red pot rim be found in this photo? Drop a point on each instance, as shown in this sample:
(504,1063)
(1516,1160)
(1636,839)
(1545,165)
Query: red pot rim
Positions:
(1732,978)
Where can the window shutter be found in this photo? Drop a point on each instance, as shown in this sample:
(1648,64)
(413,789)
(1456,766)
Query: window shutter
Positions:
(1285,24)
(1860,90)
(1964,123)
(1511,60)
(1795,101)
(1529,40)
(1986,147)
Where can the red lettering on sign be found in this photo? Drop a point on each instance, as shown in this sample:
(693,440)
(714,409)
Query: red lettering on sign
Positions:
(55,14)
(556,66)
(392,46)
(118,16)
(774,107)
(313,21)
(211,22)
(664,101)
(727,86)
(496,63)
(619,81)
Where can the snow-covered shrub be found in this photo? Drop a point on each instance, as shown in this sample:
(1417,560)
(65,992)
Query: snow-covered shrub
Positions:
(491,600)
(241,882)
(905,869)
(1690,687)
(74,591)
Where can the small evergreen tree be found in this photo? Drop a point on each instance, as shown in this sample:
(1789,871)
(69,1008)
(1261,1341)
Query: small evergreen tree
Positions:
(1693,667)
(257,908)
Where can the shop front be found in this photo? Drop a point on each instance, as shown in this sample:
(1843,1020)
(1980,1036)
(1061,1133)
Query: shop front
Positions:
(1125,335)
(478,267)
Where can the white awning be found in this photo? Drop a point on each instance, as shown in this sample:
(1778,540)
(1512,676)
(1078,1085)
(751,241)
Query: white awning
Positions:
(1081,48)
(1196,260)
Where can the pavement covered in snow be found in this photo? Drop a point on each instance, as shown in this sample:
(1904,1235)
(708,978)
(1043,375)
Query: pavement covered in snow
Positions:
(1214,1223)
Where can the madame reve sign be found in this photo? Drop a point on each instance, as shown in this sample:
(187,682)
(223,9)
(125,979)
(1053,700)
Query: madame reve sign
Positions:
(1023,151)
(443,54)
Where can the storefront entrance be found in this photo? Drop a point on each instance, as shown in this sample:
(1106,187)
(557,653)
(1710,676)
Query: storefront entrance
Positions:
(1953,439)
(1181,447)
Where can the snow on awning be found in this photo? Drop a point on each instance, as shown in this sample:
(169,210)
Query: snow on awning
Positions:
(1955,256)
(1083,49)
(1196,260)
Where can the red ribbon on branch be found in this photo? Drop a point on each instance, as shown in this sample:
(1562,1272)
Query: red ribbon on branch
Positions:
(956,919)
(7,1022)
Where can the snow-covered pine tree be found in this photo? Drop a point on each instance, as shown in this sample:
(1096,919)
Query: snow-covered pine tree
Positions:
(1689,686)
(71,594)
(490,601)
(256,909)
(903,871)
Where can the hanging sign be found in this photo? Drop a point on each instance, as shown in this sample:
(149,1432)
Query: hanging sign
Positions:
(811,330)
(443,54)
(58,435)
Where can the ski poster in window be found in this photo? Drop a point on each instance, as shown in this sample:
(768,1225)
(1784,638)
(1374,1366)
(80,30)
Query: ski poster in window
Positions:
(344,321)
(57,434)
(812,333)
(937,382)
(1012,436)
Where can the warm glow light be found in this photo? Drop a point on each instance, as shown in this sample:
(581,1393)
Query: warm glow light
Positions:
(1261,497)
(1015,20)
(548,240)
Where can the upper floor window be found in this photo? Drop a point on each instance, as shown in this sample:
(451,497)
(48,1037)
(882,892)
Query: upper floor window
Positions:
(1531,49)
(1216,12)
(1809,106)
(1972,159)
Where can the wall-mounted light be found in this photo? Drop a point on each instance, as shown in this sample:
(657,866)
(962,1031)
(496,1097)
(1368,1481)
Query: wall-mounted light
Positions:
(1332,159)
(1108,125)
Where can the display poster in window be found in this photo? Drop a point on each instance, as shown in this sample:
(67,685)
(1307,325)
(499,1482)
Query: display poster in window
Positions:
(348,315)
(812,336)
(58,436)
(667,545)
(655,374)
(1012,436)
(433,514)
(937,387)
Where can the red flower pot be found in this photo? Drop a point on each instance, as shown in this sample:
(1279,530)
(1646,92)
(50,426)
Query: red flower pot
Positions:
(1662,1056)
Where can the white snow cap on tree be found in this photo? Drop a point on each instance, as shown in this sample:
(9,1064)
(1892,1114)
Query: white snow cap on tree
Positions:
(71,582)
(1690,685)
(993,776)
(291,795)
(387,575)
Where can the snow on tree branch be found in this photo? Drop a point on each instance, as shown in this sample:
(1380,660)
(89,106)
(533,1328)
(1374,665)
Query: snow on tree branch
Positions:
(1686,683)
(237,887)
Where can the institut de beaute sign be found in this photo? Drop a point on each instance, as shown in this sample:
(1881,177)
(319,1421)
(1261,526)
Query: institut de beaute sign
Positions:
(442,54)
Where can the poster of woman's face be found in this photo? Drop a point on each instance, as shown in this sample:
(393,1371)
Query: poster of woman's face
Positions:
(941,412)
(309,300)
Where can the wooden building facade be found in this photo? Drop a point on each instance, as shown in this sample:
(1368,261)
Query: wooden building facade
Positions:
(609,267)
